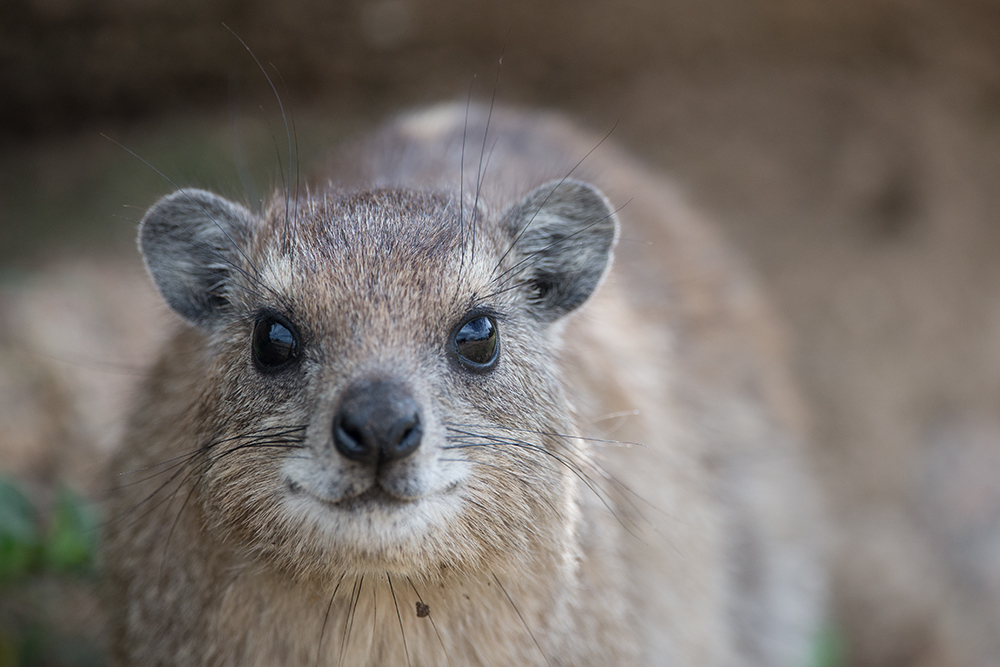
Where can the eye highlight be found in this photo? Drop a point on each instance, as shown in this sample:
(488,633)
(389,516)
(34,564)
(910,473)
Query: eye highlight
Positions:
(275,342)
(476,343)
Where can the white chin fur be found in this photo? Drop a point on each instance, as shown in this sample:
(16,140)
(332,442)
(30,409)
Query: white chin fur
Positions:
(374,526)
(363,515)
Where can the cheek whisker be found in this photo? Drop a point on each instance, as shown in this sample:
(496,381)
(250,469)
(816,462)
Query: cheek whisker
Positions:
(507,471)
(197,462)
(175,463)
(198,470)
(577,470)
(578,463)
(281,431)
(186,455)
(554,434)
(173,525)
(626,493)
(181,470)
(211,461)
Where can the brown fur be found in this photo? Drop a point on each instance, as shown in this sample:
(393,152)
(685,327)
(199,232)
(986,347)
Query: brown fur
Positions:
(623,488)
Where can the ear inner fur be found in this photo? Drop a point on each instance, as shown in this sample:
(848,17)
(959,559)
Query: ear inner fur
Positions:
(189,241)
(564,235)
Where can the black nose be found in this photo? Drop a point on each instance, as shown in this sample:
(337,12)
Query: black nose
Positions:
(378,420)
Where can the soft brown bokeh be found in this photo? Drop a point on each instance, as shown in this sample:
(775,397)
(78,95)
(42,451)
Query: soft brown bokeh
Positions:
(852,149)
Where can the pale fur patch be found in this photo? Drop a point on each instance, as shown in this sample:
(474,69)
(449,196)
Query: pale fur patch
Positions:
(431,123)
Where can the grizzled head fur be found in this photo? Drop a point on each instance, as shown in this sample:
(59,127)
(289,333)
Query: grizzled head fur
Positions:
(376,387)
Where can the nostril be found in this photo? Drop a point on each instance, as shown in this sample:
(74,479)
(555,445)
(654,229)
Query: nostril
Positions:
(407,442)
(351,440)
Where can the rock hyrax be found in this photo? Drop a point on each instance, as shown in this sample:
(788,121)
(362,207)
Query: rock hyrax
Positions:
(411,415)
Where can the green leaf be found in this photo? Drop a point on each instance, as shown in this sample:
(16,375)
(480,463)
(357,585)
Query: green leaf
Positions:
(18,519)
(71,544)
(829,648)
(19,534)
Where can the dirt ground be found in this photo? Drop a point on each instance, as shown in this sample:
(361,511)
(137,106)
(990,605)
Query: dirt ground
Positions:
(851,151)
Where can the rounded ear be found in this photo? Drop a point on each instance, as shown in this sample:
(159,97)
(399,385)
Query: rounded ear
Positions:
(189,241)
(564,233)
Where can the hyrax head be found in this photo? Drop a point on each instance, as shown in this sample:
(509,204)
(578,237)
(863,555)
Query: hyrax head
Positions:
(375,376)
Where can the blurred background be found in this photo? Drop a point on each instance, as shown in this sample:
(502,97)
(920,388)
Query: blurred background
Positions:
(851,151)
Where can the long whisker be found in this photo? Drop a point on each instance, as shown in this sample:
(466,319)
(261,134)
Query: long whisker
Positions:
(431,619)
(480,173)
(181,470)
(503,290)
(352,609)
(195,463)
(295,136)
(579,467)
(536,256)
(238,144)
(173,525)
(571,465)
(461,178)
(399,617)
(518,612)
(498,444)
(552,434)
(177,187)
(326,618)
(284,430)
(545,201)
(618,484)
(507,471)
(219,288)
(200,470)
(281,106)
(374,618)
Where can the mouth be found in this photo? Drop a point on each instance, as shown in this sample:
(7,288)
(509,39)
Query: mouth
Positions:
(374,497)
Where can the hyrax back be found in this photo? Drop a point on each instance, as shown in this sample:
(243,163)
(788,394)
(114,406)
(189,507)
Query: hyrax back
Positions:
(412,415)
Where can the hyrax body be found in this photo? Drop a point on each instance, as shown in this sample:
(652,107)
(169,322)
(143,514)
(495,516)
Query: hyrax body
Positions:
(413,416)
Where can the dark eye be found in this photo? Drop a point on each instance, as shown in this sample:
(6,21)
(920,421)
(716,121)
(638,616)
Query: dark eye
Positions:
(476,343)
(274,343)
